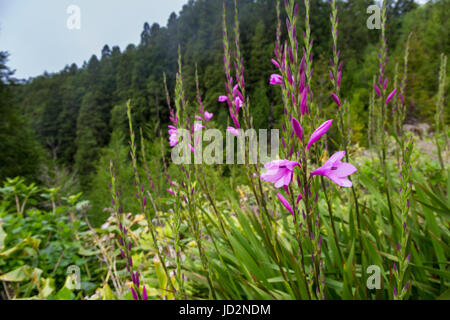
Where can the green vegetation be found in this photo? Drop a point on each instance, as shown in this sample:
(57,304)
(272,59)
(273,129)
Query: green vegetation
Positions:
(212,232)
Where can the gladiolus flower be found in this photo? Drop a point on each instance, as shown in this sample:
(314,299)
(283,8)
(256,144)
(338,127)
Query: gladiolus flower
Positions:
(285,203)
(336,171)
(391,95)
(233,131)
(198,127)
(135,297)
(208,116)
(173,139)
(319,133)
(297,128)
(239,103)
(303,103)
(280,172)
(276,64)
(336,99)
(377,89)
(223,99)
(144,294)
(299,198)
(276,79)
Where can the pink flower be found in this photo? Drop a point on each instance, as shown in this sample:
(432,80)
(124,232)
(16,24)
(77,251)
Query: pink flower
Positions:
(336,171)
(276,64)
(391,95)
(285,203)
(173,139)
(134,294)
(233,131)
(319,133)
(336,99)
(237,93)
(208,116)
(144,294)
(299,198)
(280,172)
(297,128)
(223,99)
(198,126)
(239,103)
(303,103)
(377,89)
(170,191)
(276,79)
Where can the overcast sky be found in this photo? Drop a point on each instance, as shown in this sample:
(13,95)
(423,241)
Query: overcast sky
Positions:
(36,35)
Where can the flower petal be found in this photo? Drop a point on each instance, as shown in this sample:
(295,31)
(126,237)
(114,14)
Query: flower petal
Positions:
(297,128)
(345,169)
(208,116)
(233,131)
(338,156)
(319,133)
(223,99)
(285,203)
(276,79)
(391,95)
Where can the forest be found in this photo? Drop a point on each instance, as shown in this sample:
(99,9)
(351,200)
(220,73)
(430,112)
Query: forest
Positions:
(87,181)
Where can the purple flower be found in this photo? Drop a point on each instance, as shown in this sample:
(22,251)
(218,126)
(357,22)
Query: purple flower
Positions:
(336,171)
(406,286)
(223,99)
(280,172)
(276,64)
(276,79)
(208,116)
(144,294)
(303,103)
(285,203)
(171,192)
(239,103)
(319,133)
(233,131)
(299,198)
(336,99)
(135,297)
(339,79)
(198,126)
(377,89)
(173,139)
(391,95)
(297,128)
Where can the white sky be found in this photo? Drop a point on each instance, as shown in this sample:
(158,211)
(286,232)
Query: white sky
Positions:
(35,32)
